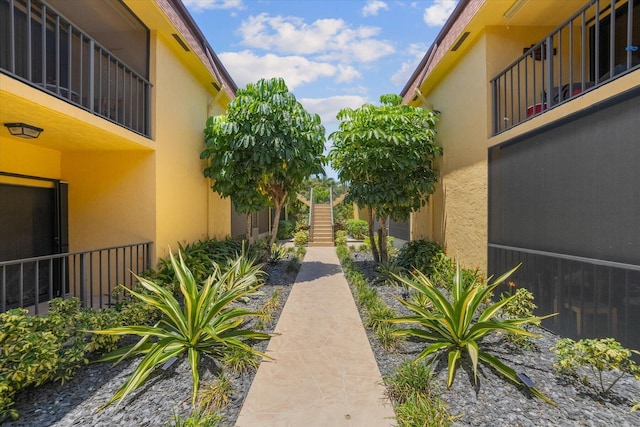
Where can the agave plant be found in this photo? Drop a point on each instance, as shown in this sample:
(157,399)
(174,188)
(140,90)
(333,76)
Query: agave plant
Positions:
(458,325)
(205,324)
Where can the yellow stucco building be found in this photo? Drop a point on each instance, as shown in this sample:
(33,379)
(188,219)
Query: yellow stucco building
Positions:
(121,91)
(540,105)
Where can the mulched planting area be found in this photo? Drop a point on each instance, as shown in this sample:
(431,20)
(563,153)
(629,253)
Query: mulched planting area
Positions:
(165,394)
(496,402)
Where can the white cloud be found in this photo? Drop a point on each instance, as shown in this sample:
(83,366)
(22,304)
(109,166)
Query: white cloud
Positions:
(416,51)
(437,14)
(373,7)
(346,73)
(200,5)
(247,67)
(331,39)
(327,108)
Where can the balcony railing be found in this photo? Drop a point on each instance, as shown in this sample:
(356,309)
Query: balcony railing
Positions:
(42,48)
(592,47)
(89,275)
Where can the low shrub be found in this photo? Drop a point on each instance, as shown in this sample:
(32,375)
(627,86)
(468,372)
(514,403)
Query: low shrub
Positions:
(301,238)
(340,238)
(286,229)
(420,255)
(357,228)
(39,349)
(520,306)
(599,356)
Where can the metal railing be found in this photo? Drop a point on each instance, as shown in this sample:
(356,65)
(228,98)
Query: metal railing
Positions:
(331,209)
(310,214)
(89,275)
(592,298)
(50,53)
(589,49)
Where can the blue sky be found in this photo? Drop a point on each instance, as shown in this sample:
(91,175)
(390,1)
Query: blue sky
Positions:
(331,53)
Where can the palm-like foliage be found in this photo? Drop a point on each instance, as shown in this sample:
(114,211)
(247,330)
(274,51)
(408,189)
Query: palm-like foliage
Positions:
(204,324)
(457,325)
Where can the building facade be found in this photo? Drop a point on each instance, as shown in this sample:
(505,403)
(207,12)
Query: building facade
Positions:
(540,103)
(121,91)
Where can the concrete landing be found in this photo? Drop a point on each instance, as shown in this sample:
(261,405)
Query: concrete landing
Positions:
(324,373)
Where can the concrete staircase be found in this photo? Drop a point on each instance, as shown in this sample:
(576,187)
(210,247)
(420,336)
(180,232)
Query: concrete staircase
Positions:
(321,230)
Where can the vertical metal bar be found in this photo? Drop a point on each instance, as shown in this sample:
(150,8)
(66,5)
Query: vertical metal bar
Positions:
(533,72)
(44,46)
(90,282)
(519,95)
(3,295)
(138,104)
(84,279)
(108,85)
(100,280)
(570,59)
(549,63)
(91,94)
(526,81)
(612,40)
(80,71)
(36,284)
(116,93)
(69,60)
(100,82)
(21,286)
(57,49)
(51,276)
(597,44)
(130,266)
(109,276)
(148,248)
(583,53)
(560,65)
(29,59)
(494,106)
(629,32)
(131,100)
(12,37)
(512,115)
(147,109)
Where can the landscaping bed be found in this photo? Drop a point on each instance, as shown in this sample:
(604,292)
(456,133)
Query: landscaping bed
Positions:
(164,396)
(496,401)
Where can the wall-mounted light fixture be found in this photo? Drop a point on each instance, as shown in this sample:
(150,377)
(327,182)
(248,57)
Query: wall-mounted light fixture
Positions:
(24,130)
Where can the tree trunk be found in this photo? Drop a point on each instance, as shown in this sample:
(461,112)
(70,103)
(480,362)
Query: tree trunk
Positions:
(276,222)
(374,249)
(249,236)
(382,240)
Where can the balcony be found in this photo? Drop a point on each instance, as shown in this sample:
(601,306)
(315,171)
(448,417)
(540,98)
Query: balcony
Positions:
(598,43)
(42,48)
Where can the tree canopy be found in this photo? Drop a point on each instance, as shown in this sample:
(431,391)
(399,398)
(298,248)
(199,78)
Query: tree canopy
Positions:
(263,148)
(387,155)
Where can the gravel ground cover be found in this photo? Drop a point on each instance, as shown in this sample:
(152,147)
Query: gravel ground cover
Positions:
(166,393)
(495,402)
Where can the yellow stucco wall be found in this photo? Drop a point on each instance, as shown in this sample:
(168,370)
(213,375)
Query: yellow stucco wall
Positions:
(25,158)
(111,200)
(186,211)
(456,214)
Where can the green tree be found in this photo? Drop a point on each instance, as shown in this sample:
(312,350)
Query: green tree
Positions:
(263,148)
(386,153)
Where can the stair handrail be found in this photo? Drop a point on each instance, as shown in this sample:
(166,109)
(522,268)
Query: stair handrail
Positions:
(331,209)
(310,214)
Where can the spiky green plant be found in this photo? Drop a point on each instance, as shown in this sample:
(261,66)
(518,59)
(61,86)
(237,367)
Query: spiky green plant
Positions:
(457,325)
(206,324)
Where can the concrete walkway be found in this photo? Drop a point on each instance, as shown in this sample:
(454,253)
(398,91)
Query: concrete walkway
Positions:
(324,373)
